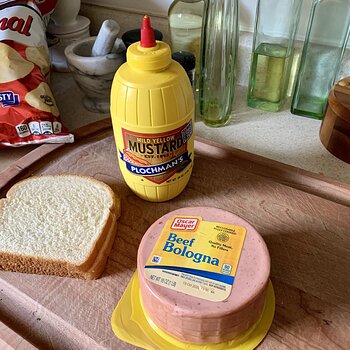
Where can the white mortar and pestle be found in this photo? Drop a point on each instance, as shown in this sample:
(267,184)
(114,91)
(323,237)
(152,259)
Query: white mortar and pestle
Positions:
(94,61)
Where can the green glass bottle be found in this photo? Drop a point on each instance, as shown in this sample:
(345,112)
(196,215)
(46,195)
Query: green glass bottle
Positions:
(276,23)
(218,61)
(325,42)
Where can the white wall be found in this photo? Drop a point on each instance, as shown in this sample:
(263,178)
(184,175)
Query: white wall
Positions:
(160,8)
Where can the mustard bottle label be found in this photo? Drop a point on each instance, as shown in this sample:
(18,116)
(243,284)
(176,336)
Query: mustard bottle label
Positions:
(157,157)
(196,257)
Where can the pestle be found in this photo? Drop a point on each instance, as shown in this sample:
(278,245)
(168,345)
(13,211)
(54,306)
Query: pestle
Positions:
(105,39)
(118,46)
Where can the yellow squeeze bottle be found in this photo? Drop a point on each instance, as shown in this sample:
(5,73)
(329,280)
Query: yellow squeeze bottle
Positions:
(152,110)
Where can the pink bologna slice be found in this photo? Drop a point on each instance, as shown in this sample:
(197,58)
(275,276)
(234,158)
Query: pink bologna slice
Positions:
(199,321)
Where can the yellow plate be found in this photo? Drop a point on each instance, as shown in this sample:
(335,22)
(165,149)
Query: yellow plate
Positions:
(131,324)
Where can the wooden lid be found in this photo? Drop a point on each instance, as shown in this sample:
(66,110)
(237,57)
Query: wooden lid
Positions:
(339,99)
(335,128)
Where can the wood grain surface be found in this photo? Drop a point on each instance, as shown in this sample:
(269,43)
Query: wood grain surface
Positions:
(10,340)
(304,219)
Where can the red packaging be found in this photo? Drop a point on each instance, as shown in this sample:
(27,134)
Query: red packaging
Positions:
(28,110)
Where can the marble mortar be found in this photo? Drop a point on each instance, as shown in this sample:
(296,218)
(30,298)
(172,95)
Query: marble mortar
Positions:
(94,75)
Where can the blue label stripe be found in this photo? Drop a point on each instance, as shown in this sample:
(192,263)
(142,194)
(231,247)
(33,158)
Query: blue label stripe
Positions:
(206,274)
(158,169)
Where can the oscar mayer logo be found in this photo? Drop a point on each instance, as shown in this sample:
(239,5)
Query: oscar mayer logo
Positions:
(185,224)
(16,24)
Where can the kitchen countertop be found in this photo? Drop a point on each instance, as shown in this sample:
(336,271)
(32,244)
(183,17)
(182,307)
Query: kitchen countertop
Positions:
(279,136)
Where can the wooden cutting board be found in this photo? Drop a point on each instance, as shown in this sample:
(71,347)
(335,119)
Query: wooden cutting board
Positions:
(304,219)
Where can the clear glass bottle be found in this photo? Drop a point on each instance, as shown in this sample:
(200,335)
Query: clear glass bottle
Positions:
(325,42)
(185,26)
(276,23)
(218,61)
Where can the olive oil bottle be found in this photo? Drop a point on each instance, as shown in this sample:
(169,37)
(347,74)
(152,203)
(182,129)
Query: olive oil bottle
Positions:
(276,23)
(269,76)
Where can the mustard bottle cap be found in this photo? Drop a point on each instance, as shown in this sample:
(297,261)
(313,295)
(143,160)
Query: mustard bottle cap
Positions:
(147,33)
(148,54)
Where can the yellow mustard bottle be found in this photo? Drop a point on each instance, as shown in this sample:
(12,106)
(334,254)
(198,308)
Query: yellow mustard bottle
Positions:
(152,110)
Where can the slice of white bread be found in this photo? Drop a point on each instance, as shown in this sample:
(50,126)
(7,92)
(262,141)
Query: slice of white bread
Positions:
(61,225)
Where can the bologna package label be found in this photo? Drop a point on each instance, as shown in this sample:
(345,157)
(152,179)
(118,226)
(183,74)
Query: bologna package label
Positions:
(157,157)
(196,257)
(28,110)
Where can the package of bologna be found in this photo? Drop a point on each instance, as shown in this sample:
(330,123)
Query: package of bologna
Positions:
(28,110)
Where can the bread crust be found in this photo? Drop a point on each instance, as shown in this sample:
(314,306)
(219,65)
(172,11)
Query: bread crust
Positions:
(91,267)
